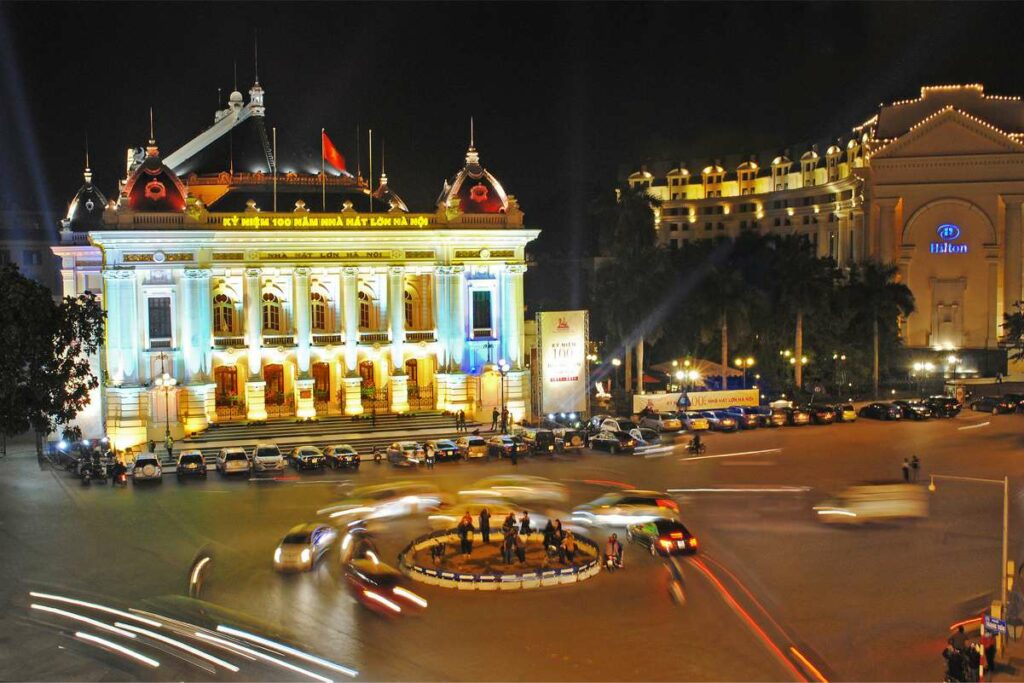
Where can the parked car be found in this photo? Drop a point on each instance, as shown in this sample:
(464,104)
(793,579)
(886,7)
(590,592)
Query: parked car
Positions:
(342,455)
(694,421)
(303,546)
(539,440)
(266,457)
(307,458)
(663,537)
(821,414)
(1017,400)
(613,442)
(443,449)
(147,468)
(617,424)
(720,421)
(993,404)
(502,446)
(622,508)
(403,453)
(845,412)
(662,422)
(881,411)
(943,406)
(190,463)
(913,410)
(232,460)
(471,446)
(795,417)
(746,417)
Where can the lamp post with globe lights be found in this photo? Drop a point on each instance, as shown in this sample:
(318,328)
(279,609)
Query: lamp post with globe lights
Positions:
(503,368)
(746,364)
(166,384)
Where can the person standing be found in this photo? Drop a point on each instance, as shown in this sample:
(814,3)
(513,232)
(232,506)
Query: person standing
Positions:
(525,528)
(152,446)
(906,470)
(504,420)
(915,467)
(462,420)
(568,549)
(455,416)
(465,531)
(514,453)
(509,523)
(494,418)
(430,457)
(169,444)
(485,526)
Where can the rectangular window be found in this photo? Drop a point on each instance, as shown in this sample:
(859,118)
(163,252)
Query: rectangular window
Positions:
(707,226)
(675,243)
(31,257)
(673,227)
(778,222)
(743,225)
(159,317)
(807,220)
(5,257)
(721,226)
(482,326)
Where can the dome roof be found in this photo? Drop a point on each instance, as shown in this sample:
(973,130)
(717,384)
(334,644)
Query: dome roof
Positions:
(476,189)
(86,209)
(153,186)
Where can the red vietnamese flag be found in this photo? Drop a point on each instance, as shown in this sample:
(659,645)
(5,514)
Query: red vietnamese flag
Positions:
(331,154)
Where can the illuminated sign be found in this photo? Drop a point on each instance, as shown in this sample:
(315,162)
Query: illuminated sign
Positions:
(717,400)
(302,221)
(327,255)
(948,233)
(562,338)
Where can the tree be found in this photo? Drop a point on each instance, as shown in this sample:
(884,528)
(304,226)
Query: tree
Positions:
(626,220)
(1013,331)
(881,299)
(45,375)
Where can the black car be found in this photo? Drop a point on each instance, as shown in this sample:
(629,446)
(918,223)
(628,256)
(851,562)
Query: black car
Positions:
(914,410)
(881,411)
(613,442)
(943,406)
(341,455)
(795,417)
(1016,399)
(443,449)
(820,414)
(663,536)
(994,405)
(502,445)
(540,440)
(746,417)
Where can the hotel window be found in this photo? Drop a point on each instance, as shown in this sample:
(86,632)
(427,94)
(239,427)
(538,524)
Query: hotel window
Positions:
(674,243)
(778,222)
(408,306)
(707,226)
(364,311)
(482,323)
(721,226)
(159,317)
(223,314)
(673,227)
(686,227)
(271,313)
(318,312)
(5,257)
(31,257)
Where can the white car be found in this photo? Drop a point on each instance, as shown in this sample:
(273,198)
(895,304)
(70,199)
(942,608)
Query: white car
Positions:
(517,488)
(622,508)
(232,461)
(147,468)
(191,463)
(387,501)
(266,457)
(449,517)
(303,546)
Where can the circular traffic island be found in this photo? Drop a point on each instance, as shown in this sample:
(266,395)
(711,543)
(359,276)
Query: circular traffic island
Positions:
(436,559)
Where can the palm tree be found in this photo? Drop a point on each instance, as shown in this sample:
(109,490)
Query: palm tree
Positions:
(882,299)
(626,220)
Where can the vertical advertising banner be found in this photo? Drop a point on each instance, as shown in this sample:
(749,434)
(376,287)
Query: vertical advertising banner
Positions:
(564,377)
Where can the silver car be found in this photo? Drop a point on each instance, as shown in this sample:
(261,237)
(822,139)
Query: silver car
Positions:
(303,546)
(662,422)
(622,508)
(266,457)
(232,461)
(147,468)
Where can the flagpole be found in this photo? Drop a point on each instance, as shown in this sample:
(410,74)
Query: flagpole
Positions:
(323,174)
(370,184)
(275,168)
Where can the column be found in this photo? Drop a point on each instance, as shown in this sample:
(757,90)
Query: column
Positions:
(196,323)
(441,315)
(457,316)
(255,387)
(842,239)
(399,392)
(1012,256)
(122,326)
(504,318)
(516,334)
(300,281)
(886,229)
(396,316)
(353,396)
(350,293)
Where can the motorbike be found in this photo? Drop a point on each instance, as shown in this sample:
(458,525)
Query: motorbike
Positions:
(695,448)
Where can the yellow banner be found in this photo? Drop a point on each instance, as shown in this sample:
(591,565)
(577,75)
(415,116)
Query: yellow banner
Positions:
(303,221)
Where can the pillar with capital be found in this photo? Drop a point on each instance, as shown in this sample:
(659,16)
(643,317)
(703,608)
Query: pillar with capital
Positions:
(196,340)
(122,326)
(515,339)
(255,387)
(441,314)
(887,229)
(456,317)
(305,409)
(396,316)
(1014,280)
(350,294)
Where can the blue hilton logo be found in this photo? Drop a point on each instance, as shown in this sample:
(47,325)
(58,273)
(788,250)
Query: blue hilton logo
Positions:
(948,233)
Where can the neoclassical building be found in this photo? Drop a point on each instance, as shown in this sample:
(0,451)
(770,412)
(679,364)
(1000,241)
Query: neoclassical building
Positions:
(266,291)
(933,184)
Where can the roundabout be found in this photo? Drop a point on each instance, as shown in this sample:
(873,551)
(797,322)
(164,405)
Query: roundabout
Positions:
(435,559)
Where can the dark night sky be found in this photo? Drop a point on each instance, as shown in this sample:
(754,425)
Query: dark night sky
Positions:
(562,93)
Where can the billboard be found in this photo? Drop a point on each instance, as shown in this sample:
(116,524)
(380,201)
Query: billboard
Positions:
(564,374)
(717,400)
(663,403)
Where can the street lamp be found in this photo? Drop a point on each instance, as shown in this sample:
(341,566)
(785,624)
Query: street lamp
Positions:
(503,368)
(954,361)
(694,377)
(680,376)
(746,364)
(166,384)
(1005,483)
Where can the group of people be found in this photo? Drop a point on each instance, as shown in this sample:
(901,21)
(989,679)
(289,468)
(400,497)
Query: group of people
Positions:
(460,421)
(496,416)
(515,532)
(965,661)
(911,468)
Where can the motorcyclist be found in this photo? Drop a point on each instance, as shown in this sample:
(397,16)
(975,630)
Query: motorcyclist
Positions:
(695,443)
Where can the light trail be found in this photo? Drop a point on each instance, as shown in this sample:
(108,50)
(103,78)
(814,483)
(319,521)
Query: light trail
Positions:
(813,669)
(93,605)
(280,647)
(260,655)
(980,424)
(745,489)
(730,455)
(180,645)
(127,651)
(78,617)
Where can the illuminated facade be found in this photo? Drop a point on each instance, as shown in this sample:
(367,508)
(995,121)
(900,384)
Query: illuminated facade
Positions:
(933,184)
(296,312)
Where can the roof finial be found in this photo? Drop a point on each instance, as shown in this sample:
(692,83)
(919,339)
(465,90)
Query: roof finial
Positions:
(256,52)
(472,158)
(87,174)
(152,137)
(471,136)
(383,176)
(234,87)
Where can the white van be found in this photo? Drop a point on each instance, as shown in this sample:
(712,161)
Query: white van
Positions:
(266,457)
(875,501)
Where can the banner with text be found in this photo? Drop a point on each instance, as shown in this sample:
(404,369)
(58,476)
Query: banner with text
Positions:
(663,403)
(562,338)
(717,400)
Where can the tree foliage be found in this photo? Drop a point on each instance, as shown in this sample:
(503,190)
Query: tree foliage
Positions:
(45,375)
(1013,331)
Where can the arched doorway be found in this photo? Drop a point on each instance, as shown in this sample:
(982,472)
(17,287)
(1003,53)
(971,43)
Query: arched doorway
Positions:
(226,377)
(273,375)
(366,372)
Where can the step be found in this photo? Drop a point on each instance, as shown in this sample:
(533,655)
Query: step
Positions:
(330,425)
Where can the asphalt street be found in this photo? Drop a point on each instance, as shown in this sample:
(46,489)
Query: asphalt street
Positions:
(773,594)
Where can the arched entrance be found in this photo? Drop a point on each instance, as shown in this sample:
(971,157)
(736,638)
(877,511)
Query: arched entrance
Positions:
(273,375)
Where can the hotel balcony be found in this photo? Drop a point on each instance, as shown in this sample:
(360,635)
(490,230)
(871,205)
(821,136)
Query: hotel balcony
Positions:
(374,338)
(323,339)
(414,336)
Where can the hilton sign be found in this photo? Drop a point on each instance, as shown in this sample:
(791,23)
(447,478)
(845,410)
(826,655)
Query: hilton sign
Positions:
(948,233)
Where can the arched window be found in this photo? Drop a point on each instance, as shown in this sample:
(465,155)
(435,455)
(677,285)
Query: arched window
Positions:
(412,371)
(318,311)
(271,313)
(226,377)
(273,375)
(223,314)
(409,311)
(366,373)
(364,311)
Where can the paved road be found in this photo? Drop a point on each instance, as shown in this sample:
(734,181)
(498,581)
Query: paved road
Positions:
(858,604)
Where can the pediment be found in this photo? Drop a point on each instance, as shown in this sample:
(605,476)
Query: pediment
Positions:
(950,132)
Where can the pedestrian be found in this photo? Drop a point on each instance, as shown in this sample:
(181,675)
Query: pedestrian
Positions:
(465,532)
(509,523)
(169,444)
(958,640)
(549,530)
(524,524)
(152,446)
(373,417)
(462,420)
(494,418)
(455,416)
(514,453)
(915,467)
(557,535)
(519,544)
(504,420)
(613,553)
(988,642)
(485,525)
(508,544)
(567,552)
(430,457)
(906,470)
